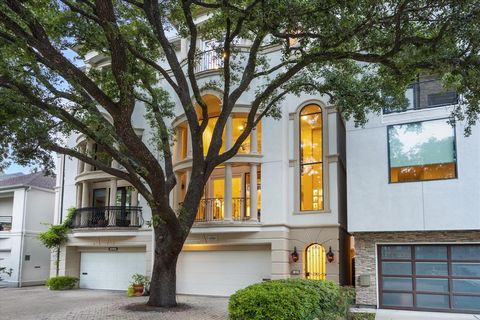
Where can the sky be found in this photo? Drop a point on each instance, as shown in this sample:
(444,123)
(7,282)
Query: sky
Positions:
(14,168)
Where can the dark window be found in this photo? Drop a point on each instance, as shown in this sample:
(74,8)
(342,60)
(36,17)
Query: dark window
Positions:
(421,151)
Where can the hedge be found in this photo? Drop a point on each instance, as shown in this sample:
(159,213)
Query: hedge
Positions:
(62,283)
(291,299)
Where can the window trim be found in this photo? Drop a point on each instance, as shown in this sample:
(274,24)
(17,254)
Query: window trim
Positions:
(455,152)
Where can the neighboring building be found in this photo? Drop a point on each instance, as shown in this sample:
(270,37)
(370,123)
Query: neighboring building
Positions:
(26,207)
(413,206)
(284,190)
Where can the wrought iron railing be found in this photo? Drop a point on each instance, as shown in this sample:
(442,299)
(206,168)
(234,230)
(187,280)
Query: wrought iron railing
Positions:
(213,209)
(208,60)
(427,94)
(5,223)
(103,217)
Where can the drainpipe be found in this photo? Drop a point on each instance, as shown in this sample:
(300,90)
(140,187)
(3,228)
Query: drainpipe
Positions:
(22,235)
(57,263)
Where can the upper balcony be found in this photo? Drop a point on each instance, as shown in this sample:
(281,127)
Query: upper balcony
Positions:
(107,217)
(5,223)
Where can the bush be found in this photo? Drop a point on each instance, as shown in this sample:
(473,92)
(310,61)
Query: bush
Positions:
(291,299)
(61,283)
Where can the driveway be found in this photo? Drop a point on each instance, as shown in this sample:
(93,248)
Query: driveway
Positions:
(39,303)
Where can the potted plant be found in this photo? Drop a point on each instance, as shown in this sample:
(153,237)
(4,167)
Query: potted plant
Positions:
(138,283)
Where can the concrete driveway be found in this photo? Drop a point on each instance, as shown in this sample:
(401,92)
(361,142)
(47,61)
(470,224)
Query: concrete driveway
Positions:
(39,303)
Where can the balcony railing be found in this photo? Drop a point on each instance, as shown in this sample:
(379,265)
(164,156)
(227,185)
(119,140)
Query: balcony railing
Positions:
(427,94)
(104,217)
(213,209)
(5,223)
(208,60)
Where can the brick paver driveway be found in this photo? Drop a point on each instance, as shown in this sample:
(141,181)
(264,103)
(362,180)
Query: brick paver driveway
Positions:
(40,303)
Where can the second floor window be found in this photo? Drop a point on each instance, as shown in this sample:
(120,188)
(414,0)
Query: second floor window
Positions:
(421,151)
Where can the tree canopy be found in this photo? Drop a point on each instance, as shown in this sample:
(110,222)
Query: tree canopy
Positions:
(361,54)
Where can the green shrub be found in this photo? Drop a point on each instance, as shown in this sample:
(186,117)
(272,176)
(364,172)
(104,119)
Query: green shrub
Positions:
(362,316)
(291,299)
(61,283)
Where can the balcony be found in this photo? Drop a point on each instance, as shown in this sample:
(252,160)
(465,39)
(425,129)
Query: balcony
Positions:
(425,94)
(208,60)
(5,223)
(213,210)
(107,217)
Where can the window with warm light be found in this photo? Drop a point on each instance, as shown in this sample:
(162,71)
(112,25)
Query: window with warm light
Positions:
(422,151)
(239,123)
(311,158)
(208,133)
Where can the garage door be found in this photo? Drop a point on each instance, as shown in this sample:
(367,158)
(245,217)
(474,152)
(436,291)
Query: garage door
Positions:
(110,270)
(221,273)
(430,277)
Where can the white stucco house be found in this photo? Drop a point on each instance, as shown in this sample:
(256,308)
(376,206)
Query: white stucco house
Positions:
(26,207)
(283,193)
(413,206)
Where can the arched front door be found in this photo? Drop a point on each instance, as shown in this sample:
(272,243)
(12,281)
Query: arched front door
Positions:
(315,262)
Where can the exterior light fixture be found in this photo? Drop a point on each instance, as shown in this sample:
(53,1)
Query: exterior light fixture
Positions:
(330,255)
(294,255)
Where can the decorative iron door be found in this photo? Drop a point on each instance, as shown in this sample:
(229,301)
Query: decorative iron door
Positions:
(315,262)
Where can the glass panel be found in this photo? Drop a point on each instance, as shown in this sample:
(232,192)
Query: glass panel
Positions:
(396,268)
(432,301)
(466,302)
(421,151)
(311,138)
(123,197)
(313,108)
(431,268)
(239,123)
(99,198)
(432,285)
(396,252)
(466,252)
(208,133)
(311,180)
(402,284)
(397,299)
(466,269)
(431,252)
(466,285)
(237,202)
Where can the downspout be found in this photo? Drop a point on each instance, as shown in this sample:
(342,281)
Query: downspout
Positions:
(22,235)
(57,263)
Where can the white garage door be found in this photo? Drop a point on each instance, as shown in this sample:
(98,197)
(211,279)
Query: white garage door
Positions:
(221,273)
(110,270)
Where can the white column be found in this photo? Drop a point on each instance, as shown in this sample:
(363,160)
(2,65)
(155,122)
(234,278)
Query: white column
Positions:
(254,141)
(89,150)
(189,142)
(228,133)
(112,218)
(227,193)
(85,203)
(178,143)
(78,203)
(133,215)
(253,192)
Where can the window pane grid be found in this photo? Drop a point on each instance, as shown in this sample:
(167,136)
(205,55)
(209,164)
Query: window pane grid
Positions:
(461,293)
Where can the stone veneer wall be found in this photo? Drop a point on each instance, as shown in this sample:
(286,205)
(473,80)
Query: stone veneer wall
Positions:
(365,258)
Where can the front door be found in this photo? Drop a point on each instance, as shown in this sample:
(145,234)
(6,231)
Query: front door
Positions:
(315,262)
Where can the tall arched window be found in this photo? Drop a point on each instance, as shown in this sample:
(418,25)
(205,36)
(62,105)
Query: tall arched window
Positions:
(311,158)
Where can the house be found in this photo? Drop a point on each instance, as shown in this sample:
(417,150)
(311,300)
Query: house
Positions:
(413,205)
(283,194)
(26,207)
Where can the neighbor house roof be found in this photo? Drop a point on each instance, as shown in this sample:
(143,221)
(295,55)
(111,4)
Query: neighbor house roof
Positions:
(37,179)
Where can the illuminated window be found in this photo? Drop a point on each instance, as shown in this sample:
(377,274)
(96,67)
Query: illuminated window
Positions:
(208,133)
(422,151)
(311,158)
(239,123)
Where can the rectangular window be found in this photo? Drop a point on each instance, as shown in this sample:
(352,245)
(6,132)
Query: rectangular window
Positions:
(421,151)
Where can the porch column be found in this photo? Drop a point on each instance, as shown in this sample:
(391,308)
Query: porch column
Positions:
(227,193)
(89,150)
(78,203)
(112,218)
(134,214)
(85,204)
(178,143)
(189,142)
(254,141)
(253,192)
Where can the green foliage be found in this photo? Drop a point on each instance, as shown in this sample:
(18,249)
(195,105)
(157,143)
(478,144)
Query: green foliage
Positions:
(362,316)
(130,291)
(61,283)
(56,235)
(292,299)
(139,279)
(5,271)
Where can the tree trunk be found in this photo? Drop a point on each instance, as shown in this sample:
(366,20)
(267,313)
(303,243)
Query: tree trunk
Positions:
(163,287)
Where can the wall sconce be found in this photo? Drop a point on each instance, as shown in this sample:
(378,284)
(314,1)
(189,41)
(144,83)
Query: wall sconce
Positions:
(294,255)
(330,255)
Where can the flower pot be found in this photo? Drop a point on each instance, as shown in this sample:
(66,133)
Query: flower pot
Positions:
(138,290)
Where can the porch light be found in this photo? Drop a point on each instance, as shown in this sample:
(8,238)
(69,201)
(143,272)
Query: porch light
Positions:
(330,255)
(294,254)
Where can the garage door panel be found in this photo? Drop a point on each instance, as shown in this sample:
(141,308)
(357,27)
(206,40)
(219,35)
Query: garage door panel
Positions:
(221,273)
(110,270)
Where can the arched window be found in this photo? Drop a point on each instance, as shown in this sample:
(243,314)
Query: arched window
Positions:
(315,262)
(311,158)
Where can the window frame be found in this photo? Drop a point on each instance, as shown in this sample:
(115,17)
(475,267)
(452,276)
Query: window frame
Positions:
(301,164)
(455,151)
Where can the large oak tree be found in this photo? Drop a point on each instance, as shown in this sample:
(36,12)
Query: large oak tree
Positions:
(361,54)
